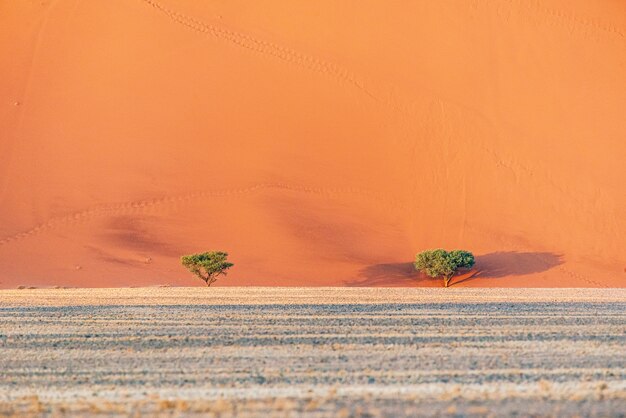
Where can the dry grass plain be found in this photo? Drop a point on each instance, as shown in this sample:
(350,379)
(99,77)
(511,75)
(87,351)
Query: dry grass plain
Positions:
(313,352)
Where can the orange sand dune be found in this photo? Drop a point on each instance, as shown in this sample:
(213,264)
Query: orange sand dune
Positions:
(320,143)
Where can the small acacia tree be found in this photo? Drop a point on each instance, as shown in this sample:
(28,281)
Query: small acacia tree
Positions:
(441,263)
(207,266)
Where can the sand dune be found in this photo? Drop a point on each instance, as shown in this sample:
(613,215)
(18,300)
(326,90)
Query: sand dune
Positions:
(318,143)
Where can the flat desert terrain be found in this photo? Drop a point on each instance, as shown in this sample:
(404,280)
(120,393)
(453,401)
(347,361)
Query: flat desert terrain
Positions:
(312,352)
(348,134)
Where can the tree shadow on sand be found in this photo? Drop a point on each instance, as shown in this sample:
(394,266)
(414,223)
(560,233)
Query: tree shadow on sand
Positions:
(488,266)
(513,263)
(386,274)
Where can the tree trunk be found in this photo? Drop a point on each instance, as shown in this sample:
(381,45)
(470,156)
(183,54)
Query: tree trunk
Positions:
(446,280)
(209,279)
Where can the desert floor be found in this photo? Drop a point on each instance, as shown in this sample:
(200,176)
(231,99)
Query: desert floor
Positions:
(312,352)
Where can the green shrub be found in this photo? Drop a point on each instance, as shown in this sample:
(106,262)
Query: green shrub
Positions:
(441,263)
(207,266)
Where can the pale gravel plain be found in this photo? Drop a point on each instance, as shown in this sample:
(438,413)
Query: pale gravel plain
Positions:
(316,352)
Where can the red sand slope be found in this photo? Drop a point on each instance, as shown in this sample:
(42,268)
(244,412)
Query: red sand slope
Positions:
(320,143)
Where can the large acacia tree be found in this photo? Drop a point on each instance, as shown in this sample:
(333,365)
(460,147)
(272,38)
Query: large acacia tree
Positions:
(441,263)
(207,266)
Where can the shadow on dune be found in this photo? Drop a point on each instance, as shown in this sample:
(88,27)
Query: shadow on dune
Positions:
(488,266)
(387,274)
(512,263)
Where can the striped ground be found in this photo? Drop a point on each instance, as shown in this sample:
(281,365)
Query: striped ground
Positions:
(312,352)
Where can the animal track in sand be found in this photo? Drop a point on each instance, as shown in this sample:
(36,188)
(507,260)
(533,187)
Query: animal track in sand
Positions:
(264,47)
(555,17)
(126,207)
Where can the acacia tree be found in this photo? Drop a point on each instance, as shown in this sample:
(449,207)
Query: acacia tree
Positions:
(207,266)
(441,263)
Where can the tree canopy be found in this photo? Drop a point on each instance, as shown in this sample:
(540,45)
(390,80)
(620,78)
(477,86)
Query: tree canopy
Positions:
(441,263)
(208,265)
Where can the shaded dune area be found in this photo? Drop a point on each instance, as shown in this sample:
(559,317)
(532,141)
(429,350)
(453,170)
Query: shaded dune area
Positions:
(320,144)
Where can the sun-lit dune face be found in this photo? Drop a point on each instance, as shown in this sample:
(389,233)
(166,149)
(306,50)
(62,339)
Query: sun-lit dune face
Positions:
(319,143)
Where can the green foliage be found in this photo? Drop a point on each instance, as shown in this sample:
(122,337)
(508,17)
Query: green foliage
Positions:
(436,263)
(207,266)
(461,258)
